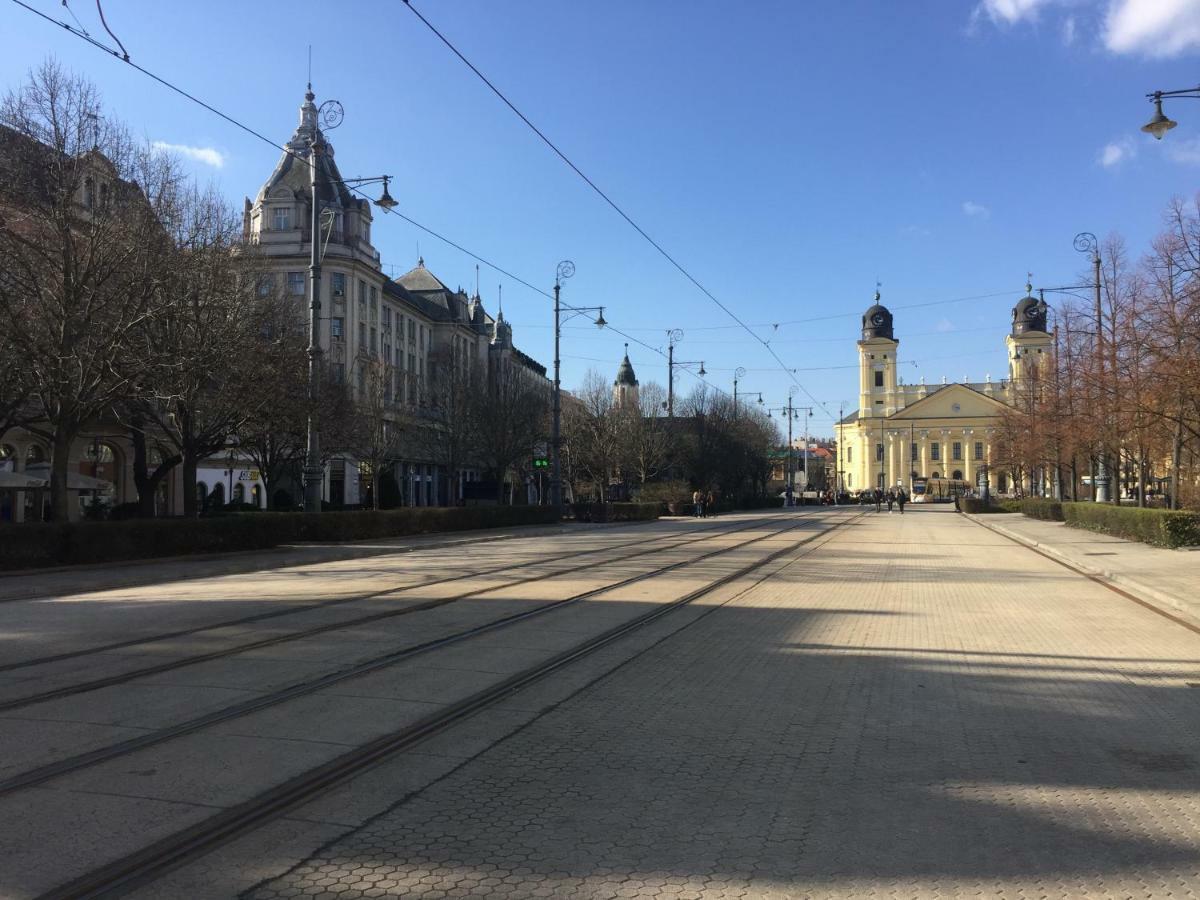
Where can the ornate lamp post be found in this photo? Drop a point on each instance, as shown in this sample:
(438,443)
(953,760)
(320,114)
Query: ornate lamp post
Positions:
(1086,242)
(565,270)
(674,336)
(738,374)
(329,115)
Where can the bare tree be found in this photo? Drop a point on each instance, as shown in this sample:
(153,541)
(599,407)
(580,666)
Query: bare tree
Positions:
(595,432)
(448,432)
(81,249)
(378,430)
(647,439)
(511,416)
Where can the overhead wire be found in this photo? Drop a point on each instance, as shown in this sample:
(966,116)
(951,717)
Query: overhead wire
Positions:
(607,199)
(124,57)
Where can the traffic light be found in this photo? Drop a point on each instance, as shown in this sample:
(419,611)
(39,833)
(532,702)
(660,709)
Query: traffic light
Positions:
(540,462)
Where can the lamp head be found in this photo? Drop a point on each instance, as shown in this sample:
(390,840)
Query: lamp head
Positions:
(1159,124)
(702,372)
(386,201)
(600,323)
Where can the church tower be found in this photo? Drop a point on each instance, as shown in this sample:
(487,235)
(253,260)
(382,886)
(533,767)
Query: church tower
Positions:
(625,388)
(1030,343)
(877,363)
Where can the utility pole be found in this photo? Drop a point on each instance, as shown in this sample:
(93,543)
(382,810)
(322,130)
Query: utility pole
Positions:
(566,269)
(739,372)
(314,472)
(674,336)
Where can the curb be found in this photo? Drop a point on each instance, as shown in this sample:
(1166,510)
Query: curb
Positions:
(1144,592)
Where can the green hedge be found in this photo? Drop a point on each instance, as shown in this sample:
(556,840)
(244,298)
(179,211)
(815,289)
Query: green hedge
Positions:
(1161,527)
(37,545)
(1039,508)
(977,506)
(617,512)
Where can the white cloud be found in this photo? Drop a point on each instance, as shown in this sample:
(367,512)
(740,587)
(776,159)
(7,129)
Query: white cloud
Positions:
(1116,152)
(207,155)
(1185,151)
(1068,31)
(976,210)
(1010,12)
(1152,27)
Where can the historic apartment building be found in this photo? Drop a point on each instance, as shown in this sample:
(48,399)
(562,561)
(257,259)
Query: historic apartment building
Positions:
(903,434)
(408,325)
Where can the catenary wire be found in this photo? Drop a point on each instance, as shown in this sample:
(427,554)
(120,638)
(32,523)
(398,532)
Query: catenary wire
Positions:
(83,35)
(607,199)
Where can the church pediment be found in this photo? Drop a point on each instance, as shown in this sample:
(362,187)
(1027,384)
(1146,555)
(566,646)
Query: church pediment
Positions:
(950,402)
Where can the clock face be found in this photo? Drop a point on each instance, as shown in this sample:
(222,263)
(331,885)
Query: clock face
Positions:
(878,318)
(1031,313)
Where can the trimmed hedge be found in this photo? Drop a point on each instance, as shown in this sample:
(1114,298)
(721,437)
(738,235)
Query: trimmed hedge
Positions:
(617,512)
(977,506)
(37,545)
(1161,527)
(1039,508)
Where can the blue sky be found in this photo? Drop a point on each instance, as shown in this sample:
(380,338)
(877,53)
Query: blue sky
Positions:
(788,154)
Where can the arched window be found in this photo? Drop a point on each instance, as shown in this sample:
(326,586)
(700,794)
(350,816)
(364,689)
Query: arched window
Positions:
(256,496)
(958,475)
(217,497)
(201,493)
(936,475)
(35,454)
(239,493)
(8,457)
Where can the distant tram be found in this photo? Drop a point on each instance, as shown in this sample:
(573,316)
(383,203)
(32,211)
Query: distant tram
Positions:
(937,489)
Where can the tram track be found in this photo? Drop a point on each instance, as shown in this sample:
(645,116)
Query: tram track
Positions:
(69,765)
(340,601)
(141,867)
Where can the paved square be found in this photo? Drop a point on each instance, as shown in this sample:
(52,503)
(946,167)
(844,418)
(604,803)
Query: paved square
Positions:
(919,708)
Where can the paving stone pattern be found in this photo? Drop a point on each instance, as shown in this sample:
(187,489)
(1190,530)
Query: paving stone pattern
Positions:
(918,709)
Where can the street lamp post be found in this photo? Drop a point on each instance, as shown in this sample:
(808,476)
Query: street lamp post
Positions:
(738,373)
(329,115)
(674,336)
(565,270)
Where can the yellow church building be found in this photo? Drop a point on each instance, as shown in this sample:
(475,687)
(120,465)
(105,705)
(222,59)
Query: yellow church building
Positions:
(930,437)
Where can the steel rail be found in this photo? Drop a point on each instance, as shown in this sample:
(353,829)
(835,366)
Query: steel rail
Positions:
(71,764)
(324,604)
(149,863)
(96,684)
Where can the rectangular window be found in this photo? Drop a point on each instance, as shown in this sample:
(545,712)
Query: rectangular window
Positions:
(282,218)
(337,282)
(935,450)
(374,303)
(266,285)
(339,373)
(879,453)
(412,333)
(979,449)
(878,379)
(296,284)
(849,454)
(956,450)
(399,387)
(362,294)
(362,379)
(374,339)
(362,336)
(386,355)
(387,318)
(914,451)
(337,328)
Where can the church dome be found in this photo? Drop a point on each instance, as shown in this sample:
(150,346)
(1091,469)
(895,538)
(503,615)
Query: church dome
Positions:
(625,372)
(1029,315)
(877,321)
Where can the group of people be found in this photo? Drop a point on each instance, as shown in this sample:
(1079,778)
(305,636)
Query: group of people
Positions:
(892,497)
(705,503)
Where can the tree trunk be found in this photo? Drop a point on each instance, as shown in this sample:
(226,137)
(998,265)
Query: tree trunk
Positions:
(60,458)
(1176,460)
(190,464)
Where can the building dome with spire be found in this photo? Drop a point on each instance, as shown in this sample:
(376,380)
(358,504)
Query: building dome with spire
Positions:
(625,388)
(877,321)
(1029,314)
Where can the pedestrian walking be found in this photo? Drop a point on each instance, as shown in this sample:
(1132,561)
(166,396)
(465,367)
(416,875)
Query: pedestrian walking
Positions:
(891,499)
(696,504)
(901,499)
(878,499)
(710,504)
